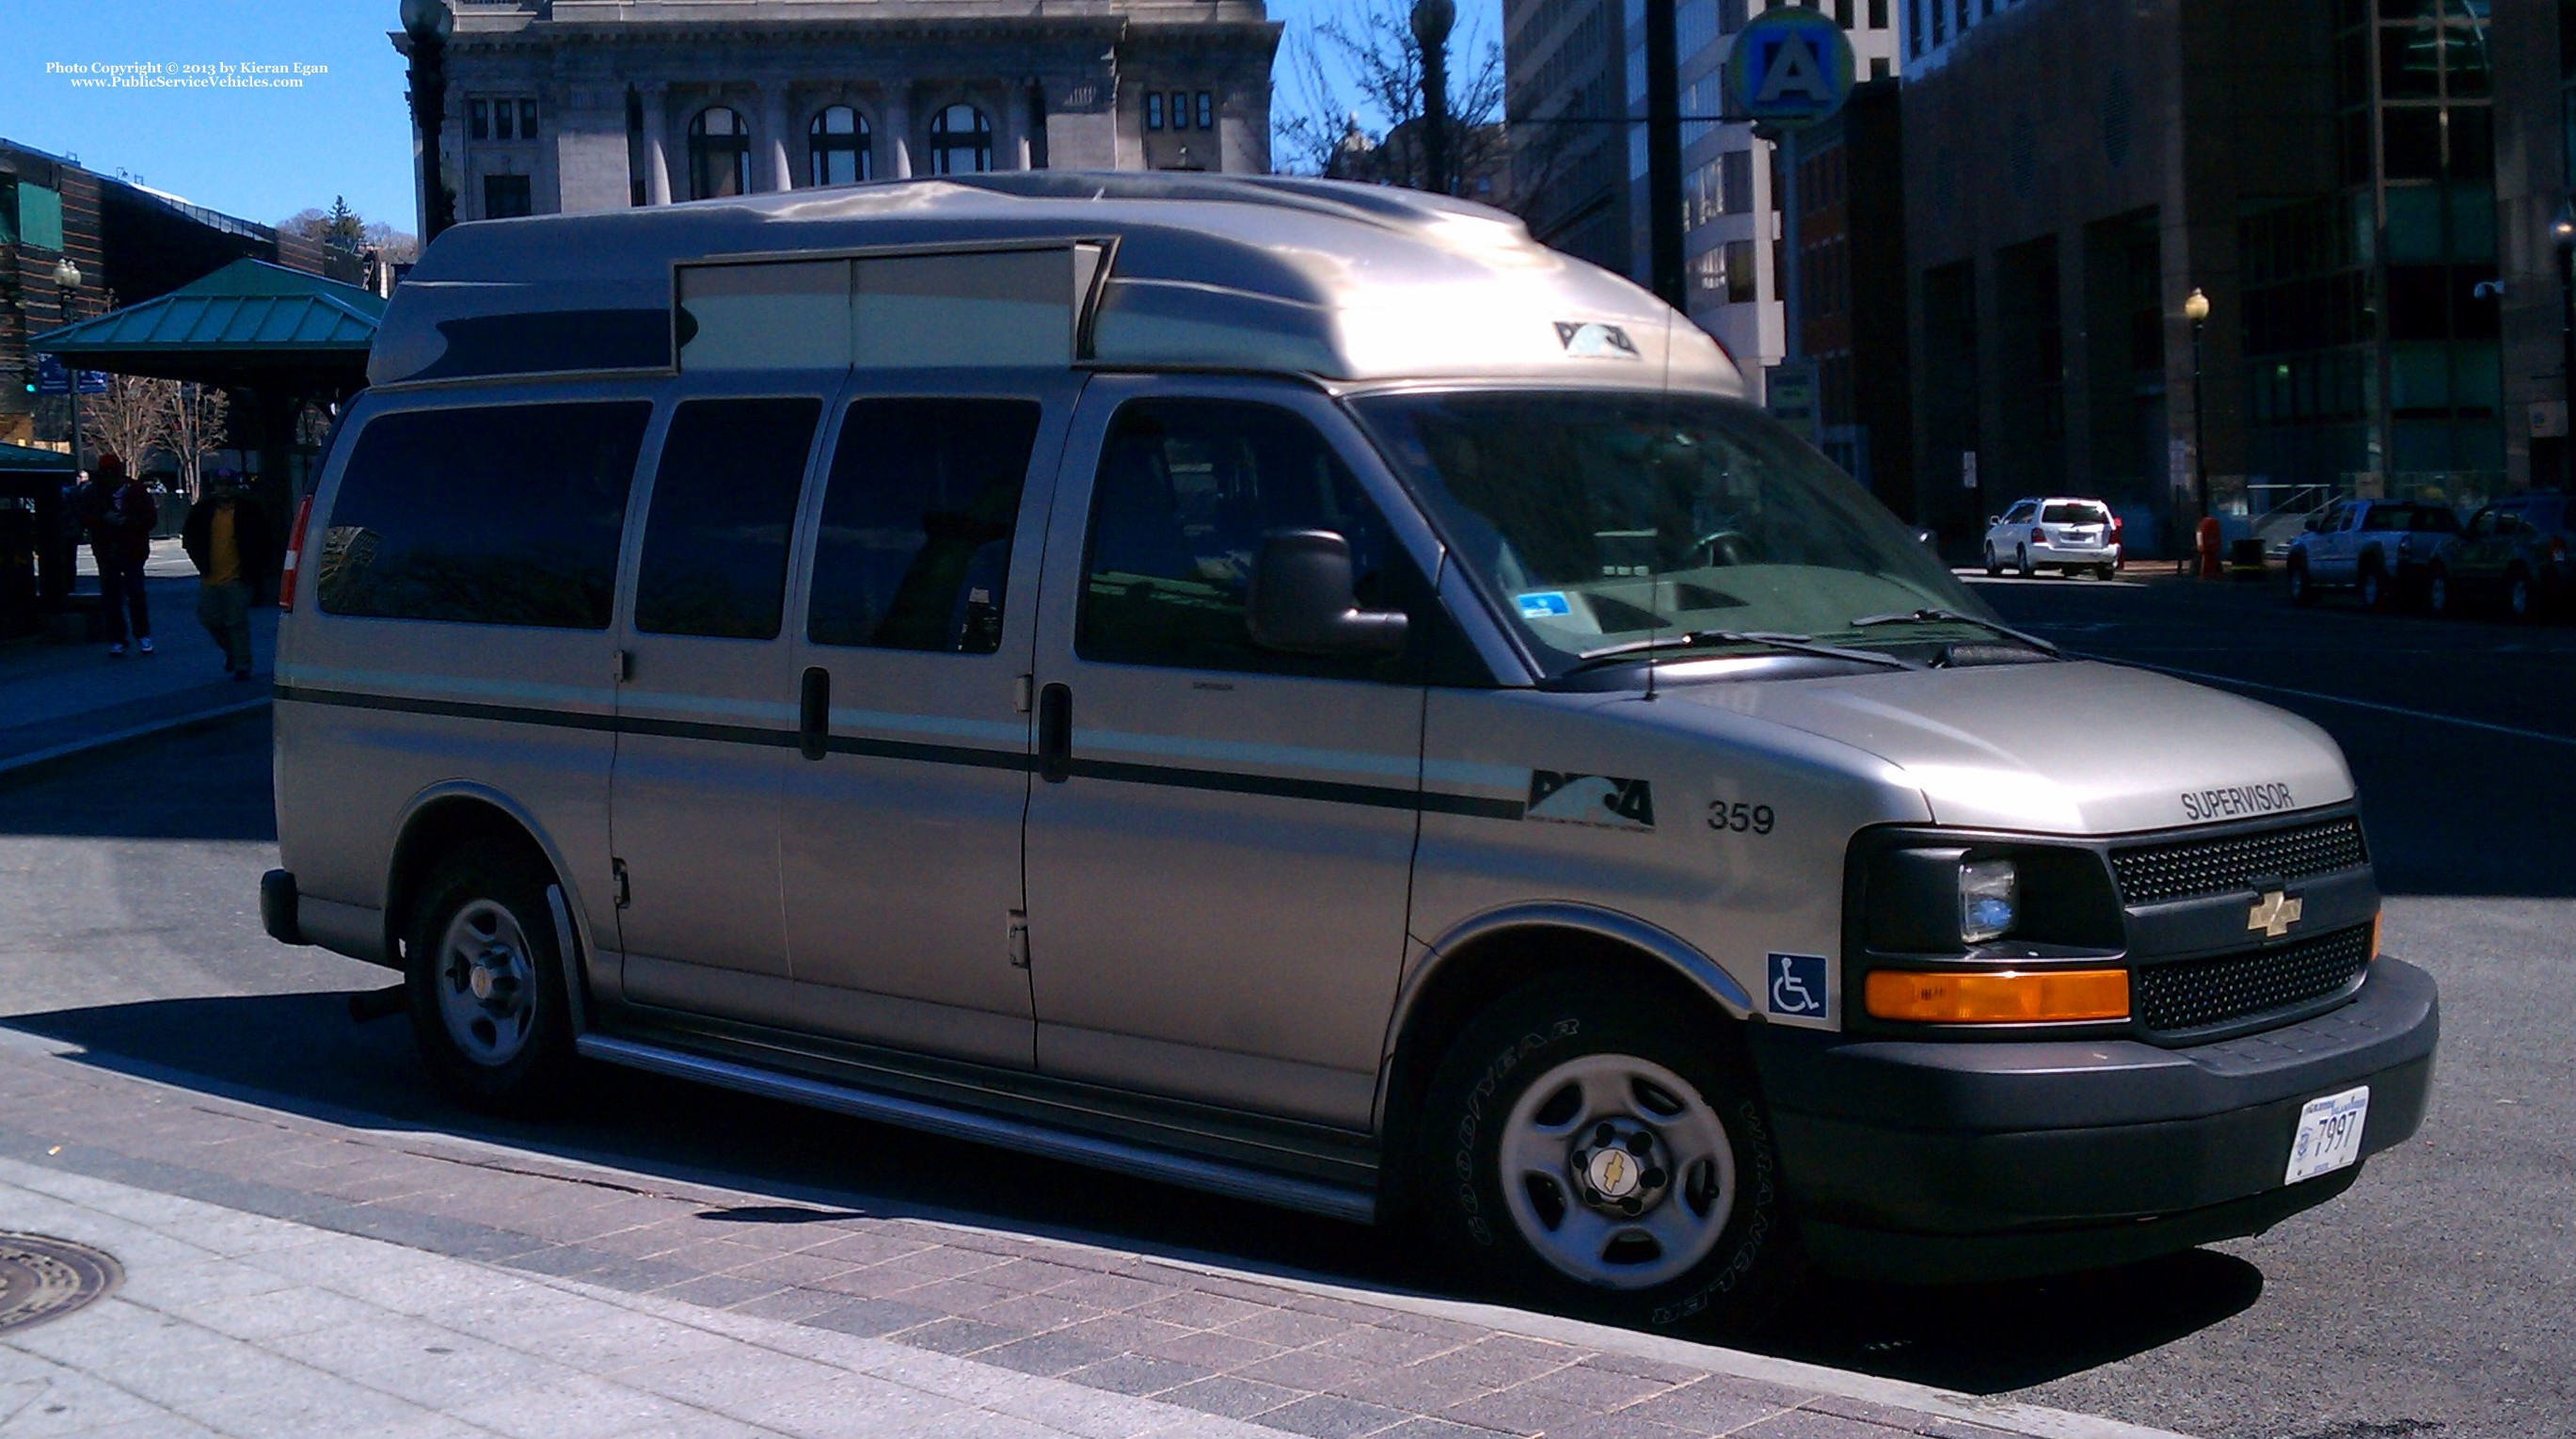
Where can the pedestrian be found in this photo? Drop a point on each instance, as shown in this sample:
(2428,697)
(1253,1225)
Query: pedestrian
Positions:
(228,538)
(121,515)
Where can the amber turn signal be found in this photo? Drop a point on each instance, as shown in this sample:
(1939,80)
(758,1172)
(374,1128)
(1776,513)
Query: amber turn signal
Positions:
(1999,996)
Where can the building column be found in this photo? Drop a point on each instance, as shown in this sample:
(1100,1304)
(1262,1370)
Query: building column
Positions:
(657,147)
(773,126)
(1024,124)
(898,131)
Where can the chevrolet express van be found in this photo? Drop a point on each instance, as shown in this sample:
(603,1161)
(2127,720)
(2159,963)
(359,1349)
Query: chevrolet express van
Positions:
(1295,690)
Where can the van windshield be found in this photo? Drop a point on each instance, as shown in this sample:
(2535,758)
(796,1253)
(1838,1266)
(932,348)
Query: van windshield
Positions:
(1602,519)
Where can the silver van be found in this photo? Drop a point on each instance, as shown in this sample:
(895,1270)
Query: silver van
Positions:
(1295,690)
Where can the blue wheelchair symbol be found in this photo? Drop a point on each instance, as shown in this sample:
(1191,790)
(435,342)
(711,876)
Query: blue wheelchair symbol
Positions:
(1798,985)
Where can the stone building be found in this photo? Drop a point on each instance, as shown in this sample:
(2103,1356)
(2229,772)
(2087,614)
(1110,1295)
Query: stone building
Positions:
(561,105)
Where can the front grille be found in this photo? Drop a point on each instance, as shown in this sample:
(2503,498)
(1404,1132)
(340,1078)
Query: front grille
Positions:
(2197,993)
(2152,873)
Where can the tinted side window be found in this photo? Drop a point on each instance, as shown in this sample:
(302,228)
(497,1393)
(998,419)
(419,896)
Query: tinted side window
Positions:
(917,524)
(724,499)
(496,515)
(1185,492)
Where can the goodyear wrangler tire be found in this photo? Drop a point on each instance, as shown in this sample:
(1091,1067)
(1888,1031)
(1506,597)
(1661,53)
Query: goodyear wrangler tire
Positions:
(1599,1150)
(486,982)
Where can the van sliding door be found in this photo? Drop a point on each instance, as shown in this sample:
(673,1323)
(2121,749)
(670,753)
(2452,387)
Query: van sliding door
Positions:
(706,699)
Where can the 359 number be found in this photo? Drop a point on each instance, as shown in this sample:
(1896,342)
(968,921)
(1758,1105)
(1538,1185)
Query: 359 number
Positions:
(1740,818)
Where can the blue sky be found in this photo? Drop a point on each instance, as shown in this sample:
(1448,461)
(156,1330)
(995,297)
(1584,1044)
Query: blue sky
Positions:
(264,154)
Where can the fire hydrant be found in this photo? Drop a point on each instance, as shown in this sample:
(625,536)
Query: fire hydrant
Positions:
(2207,539)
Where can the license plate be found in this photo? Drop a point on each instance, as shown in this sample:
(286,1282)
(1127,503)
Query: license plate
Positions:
(2329,1134)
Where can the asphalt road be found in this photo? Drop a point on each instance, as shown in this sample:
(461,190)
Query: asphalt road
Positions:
(2438,1297)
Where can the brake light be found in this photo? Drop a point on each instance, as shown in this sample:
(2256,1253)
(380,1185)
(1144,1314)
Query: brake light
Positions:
(2038,536)
(294,554)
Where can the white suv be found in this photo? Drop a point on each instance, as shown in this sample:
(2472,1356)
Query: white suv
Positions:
(2060,533)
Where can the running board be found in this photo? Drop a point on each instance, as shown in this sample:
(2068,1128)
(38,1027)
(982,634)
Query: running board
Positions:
(1234,1181)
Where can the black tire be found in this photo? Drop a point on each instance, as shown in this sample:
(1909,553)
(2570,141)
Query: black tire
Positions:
(2303,591)
(2102,572)
(2373,588)
(1525,1037)
(2021,562)
(2441,596)
(536,1073)
(2521,597)
(1994,567)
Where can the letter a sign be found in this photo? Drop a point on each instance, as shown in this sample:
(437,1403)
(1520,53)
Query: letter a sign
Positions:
(1790,68)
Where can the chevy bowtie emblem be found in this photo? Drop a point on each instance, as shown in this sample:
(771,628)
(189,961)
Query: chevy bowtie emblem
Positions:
(2274,913)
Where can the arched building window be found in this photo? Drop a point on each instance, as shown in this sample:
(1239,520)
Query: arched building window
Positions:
(961,141)
(840,150)
(719,154)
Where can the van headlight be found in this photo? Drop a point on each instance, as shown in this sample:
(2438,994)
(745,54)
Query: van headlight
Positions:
(1914,894)
(1989,899)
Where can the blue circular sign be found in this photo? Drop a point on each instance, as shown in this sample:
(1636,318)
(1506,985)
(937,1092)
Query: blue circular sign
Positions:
(1790,68)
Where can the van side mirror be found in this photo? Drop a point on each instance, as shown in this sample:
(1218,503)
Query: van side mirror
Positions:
(1301,600)
(1992,521)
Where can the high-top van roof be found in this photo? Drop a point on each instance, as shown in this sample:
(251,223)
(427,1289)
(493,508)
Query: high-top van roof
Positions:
(1340,281)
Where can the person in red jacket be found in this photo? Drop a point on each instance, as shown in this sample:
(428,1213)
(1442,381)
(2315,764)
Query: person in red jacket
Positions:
(121,516)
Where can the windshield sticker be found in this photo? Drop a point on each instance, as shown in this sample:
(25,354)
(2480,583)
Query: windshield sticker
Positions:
(1592,340)
(1600,801)
(1545,605)
(1800,985)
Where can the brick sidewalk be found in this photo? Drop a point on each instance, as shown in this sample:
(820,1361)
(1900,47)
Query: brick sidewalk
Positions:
(1280,1353)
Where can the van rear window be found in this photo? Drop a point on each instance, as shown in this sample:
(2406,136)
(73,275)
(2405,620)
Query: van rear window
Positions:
(2076,515)
(493,515)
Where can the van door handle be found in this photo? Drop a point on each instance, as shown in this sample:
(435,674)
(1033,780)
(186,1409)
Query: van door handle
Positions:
(1055,733)
(814,713)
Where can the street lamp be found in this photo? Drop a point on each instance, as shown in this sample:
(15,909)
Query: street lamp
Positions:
(2562,231)
(2196,310)
(67,281)
(1432,20)
(427,24)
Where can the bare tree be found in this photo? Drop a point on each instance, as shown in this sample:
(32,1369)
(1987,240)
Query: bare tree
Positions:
(1361,128)
(133,419)
(197,416)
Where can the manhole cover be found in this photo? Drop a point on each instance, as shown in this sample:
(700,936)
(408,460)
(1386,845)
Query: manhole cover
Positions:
(43,1278)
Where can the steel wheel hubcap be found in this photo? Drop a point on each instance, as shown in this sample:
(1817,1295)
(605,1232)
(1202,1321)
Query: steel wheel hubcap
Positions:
(1617,1172)
(487,983)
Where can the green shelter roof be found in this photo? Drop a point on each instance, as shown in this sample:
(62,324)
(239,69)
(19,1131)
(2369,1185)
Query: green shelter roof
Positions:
(249,314)
(28,457)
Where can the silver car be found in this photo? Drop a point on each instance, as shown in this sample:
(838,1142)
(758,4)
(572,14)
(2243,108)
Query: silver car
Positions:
(1299,691)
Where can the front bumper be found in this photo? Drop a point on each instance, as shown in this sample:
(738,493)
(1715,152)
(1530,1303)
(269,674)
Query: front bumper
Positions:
(1929,1161)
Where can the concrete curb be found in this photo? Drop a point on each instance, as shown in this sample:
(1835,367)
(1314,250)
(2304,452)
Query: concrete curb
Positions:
(20,768)
(697,1185)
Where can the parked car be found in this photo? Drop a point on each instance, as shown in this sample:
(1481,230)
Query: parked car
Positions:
(2063,533)
(2515,551)
(714,617)
(2382,550)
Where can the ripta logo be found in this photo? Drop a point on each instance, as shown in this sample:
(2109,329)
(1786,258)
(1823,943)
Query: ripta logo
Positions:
(1601,801)
(1592,340)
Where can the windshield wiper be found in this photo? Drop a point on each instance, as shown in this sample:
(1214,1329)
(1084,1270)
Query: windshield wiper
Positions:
(1692,639)
(1934,617)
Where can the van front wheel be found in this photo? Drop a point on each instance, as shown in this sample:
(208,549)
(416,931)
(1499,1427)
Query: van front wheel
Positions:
(1595,1153)
(486,982)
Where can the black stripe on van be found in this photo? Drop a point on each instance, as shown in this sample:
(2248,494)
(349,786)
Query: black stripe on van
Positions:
(1129,772)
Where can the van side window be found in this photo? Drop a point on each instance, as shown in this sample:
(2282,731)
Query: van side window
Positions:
(1186,490)
(917,524)
(724,500)
(493,515)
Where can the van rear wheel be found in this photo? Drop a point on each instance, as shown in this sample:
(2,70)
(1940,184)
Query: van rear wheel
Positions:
(486,982)
(1595,1149)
